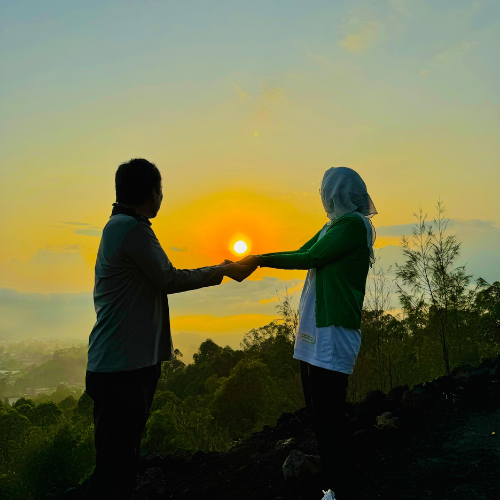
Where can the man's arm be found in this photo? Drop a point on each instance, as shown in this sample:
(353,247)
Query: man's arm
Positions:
(141,247)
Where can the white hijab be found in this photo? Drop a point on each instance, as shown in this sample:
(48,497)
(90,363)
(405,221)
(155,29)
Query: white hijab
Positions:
(343,192)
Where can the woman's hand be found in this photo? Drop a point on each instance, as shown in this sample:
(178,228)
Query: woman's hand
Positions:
(226,261)
(249,260)
(237,272)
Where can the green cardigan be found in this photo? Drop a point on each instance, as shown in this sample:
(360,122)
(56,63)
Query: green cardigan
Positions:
(342,260)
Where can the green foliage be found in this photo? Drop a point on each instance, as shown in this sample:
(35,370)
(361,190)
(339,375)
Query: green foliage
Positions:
(68,402)
(186,424)
(23,401)
(40,449)
(46,414)
(85,409)
(63,457)
(14,430)
(239,401)
(207,350)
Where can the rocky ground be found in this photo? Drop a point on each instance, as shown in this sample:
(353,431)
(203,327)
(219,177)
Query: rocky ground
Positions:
(438,441)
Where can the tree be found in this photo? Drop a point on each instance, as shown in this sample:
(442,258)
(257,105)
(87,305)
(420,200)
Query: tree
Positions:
(208,348)
(169,369)
(67,403)
(428,271)
(239,402)
(23,401)
(14,428)
(288,316)
(486,308)
(378,300)
(45,414)
(84,410)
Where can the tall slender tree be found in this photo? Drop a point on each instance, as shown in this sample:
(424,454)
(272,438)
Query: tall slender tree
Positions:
(428,271)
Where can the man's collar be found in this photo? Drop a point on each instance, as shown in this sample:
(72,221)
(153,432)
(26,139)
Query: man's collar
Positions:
(119,208)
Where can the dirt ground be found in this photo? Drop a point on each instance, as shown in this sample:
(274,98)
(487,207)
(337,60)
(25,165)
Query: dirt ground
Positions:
(445,447)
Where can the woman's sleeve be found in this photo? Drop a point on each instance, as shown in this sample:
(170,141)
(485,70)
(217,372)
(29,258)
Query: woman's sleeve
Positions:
(345,236)
(303,248)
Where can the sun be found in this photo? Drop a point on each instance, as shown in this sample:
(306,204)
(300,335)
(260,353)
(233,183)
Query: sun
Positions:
(240,244)
(240,247)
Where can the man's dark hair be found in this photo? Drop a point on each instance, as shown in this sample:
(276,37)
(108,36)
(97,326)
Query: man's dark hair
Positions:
(134,181)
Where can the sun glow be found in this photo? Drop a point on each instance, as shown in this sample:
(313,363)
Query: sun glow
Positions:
(240,244)
(240,247)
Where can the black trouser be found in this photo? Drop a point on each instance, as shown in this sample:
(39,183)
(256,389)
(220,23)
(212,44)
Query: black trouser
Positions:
(122,401)
(325,396)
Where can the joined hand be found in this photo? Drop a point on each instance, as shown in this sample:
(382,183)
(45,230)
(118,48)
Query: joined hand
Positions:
(249,260)
(238,272)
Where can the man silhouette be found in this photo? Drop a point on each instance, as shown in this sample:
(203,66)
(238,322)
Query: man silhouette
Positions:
(131,337)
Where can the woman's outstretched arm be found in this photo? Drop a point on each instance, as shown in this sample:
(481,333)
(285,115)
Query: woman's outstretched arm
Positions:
(348,234)
(303,248)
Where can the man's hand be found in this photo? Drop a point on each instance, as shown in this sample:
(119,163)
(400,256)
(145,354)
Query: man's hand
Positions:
(249,260)
(226,261)
(238,272)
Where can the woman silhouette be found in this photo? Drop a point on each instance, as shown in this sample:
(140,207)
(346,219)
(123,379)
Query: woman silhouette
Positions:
(327,343)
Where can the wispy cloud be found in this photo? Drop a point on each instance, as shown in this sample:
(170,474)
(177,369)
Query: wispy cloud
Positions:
(401,7)
(242,94)
(64,248)
(362,39)
(89,232)
(176,249)
(268,98)
(455,52)
(275,298)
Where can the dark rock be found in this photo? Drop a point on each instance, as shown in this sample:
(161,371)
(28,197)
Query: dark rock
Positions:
(443,383)
(153,484)
(299,466)
(429,388)
(283,444)
(73,494)
(413,399)
(302,415)
(150,461)
(386,421)
(285,418)
(289,421)
(396,393)
(182,455)
(374,404)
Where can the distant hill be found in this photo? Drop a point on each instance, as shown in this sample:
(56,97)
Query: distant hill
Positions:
(67,365)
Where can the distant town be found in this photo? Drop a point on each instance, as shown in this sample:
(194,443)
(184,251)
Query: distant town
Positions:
(41,368)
